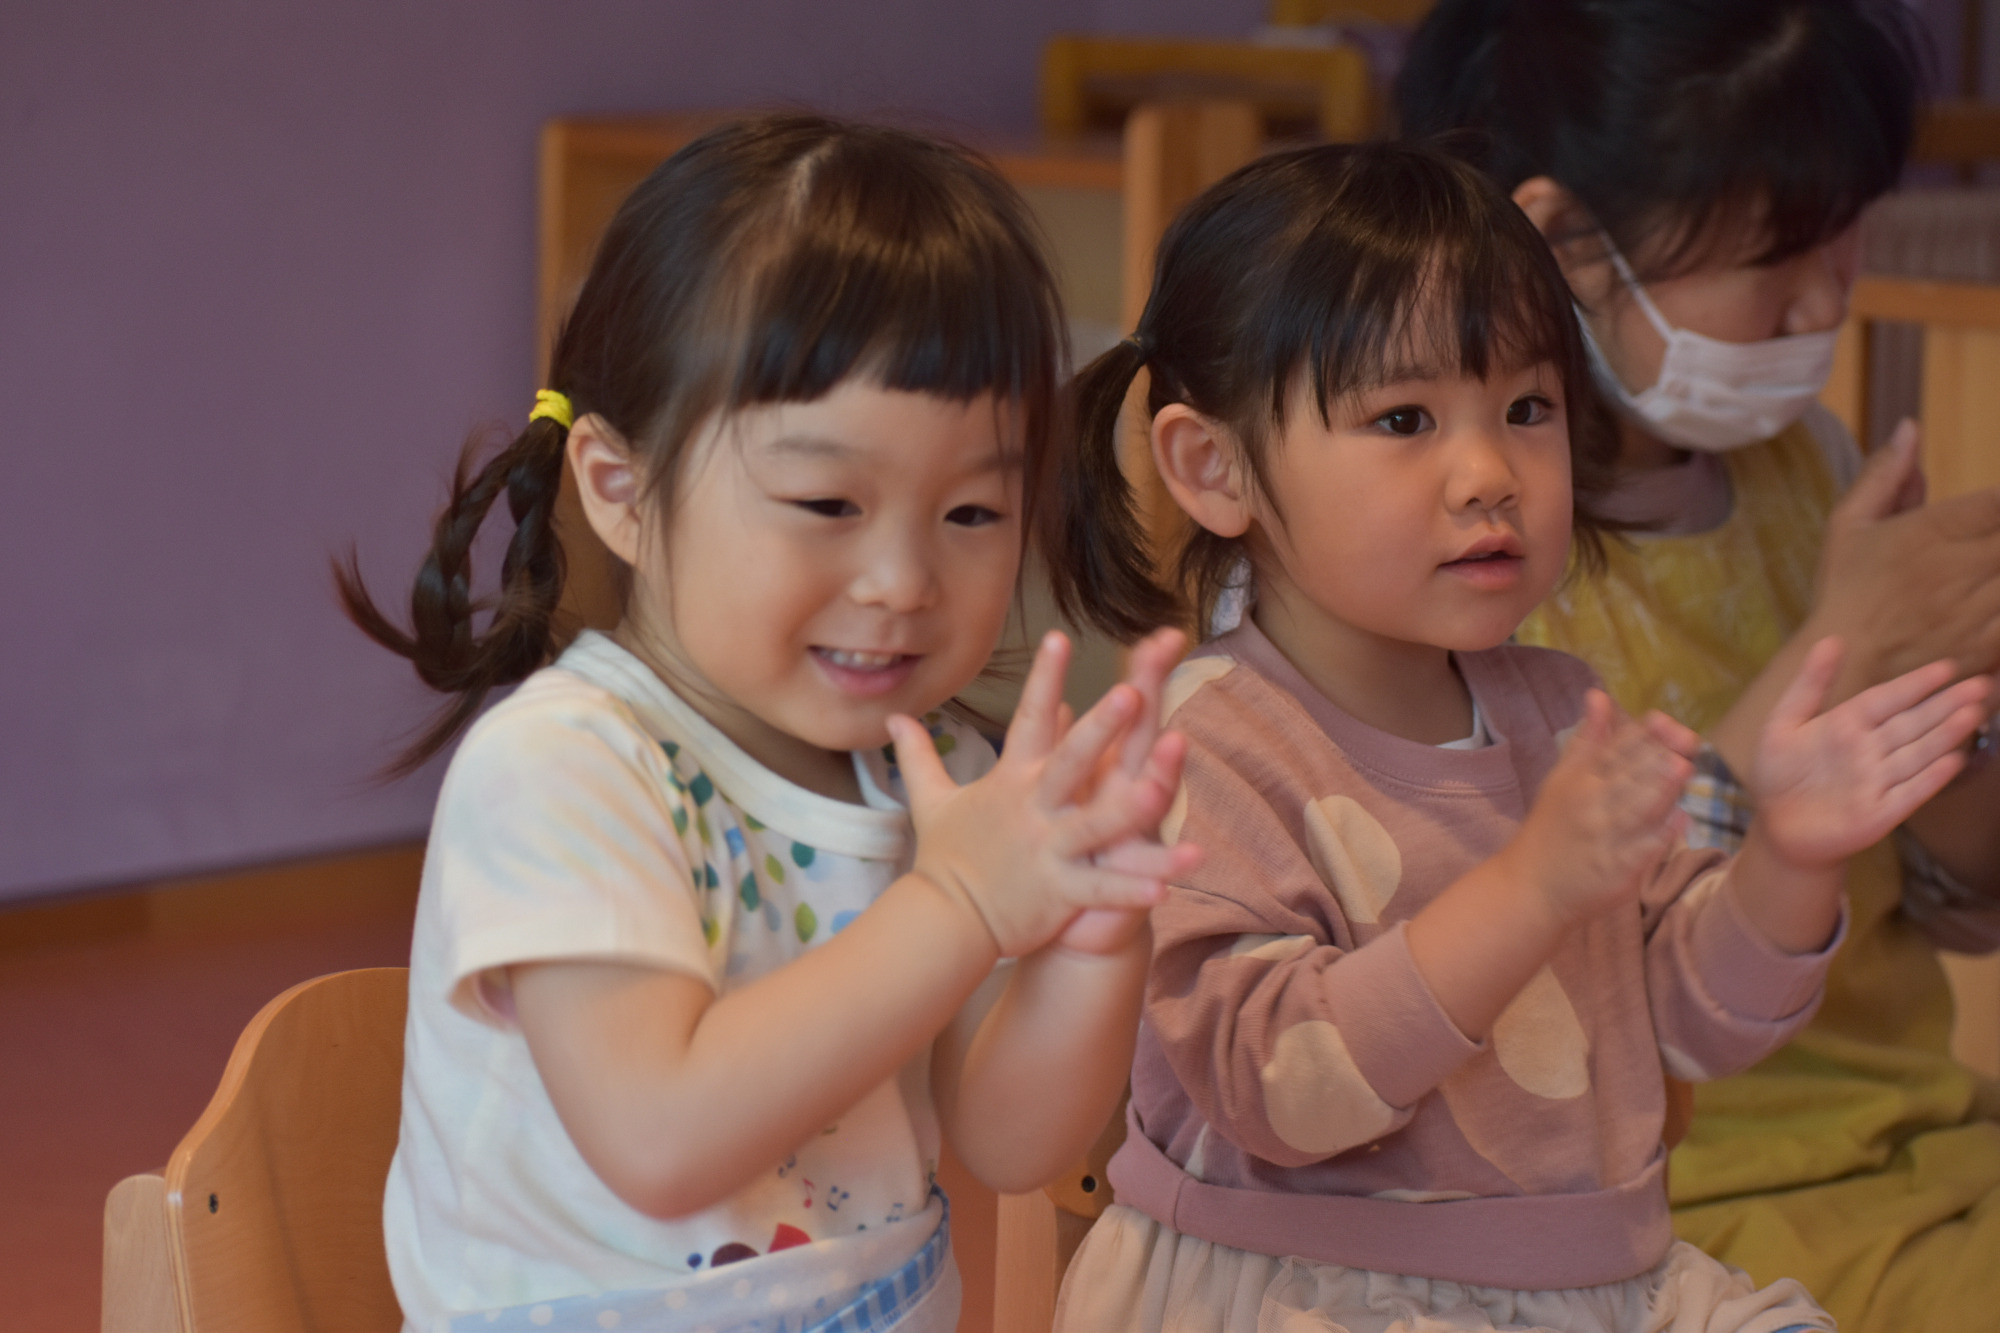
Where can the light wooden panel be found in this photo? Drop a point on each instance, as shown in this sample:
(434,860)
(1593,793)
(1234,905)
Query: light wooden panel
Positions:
(1037,1241)
(1088,80)
(1296,13)
(1961,408)
(138,1262)
(274,1198)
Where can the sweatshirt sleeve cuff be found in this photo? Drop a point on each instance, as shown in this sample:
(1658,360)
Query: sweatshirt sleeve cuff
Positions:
(1403,1041)
(1745,972)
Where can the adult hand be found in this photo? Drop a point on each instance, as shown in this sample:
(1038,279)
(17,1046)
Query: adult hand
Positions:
(1903,582)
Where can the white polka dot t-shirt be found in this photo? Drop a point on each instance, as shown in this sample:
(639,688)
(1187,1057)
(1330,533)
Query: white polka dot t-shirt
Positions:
(1298,1090)
(594,815)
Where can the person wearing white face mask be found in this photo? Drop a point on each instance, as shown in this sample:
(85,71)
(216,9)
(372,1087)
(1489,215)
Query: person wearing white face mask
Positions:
(1710,394)
(1699,167)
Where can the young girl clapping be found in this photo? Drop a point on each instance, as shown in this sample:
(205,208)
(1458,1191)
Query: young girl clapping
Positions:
(1402,1058)
(701,967)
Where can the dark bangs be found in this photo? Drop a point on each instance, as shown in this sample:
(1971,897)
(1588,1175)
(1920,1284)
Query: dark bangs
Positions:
(1425,273)
(924,276)
(775,257)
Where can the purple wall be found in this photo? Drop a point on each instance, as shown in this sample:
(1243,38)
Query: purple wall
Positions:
(261,266)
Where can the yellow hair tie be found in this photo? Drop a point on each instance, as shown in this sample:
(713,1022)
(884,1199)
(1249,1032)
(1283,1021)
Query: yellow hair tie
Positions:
(554,406)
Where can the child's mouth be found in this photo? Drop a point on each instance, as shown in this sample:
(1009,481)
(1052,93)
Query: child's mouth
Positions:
(1487,569)
(864,674)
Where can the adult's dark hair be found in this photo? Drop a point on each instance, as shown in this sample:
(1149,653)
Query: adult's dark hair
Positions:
(765,262)
(1676,122)
(1336,268)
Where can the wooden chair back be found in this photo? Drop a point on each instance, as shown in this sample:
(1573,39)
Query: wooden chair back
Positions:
(1309,13)
(268,1218)
(1960,394)
(1090,81)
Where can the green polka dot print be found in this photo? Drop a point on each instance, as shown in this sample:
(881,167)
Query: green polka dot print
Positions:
(805,923)
(747,891)
(774,868)
(802,855)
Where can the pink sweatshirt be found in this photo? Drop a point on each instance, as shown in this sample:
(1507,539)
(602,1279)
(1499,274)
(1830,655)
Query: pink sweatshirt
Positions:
(1297,1088)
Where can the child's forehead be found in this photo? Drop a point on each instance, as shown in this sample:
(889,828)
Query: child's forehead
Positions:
(863,424)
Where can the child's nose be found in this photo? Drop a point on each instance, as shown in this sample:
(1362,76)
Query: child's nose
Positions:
(1482,475)
(896,574)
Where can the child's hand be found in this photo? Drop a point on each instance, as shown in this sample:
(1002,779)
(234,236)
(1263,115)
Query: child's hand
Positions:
(1145,756)
(1828,784)
(1608,810)
(1019,845)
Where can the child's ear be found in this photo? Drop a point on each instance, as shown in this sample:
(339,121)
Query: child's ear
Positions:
(1198,461)
(607,481)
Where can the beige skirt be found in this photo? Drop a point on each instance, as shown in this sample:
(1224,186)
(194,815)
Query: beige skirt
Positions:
(1133,1275)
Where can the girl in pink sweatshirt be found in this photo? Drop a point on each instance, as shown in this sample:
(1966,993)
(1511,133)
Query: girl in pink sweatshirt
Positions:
(1405,1034)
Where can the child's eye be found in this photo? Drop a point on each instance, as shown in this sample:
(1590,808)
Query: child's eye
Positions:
(1531,410)
(1404,420)
(829,508)
(972,516)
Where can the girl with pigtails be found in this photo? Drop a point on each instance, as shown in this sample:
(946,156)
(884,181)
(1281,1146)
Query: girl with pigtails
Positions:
(1402,1057)
(704,972)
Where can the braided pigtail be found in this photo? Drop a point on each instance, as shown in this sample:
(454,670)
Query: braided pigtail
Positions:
(1093,531)
(451,654)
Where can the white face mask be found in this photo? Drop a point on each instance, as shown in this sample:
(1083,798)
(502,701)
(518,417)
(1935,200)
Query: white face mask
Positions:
(1713,395)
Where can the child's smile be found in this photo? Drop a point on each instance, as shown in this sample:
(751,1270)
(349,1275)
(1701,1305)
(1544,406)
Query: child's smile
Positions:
(828,564)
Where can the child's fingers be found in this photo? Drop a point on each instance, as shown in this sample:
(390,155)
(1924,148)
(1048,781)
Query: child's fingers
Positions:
(1143,856)
(1075,757)
(1951,732)
(1878,704)
(1128,811)
(1036,727)
(924,776)
(1940,710)
(1682,740)
(1599,719)
(1164,764)
(1092,886)
(1065,719)
(1151,661)
(1905,798)
(1800,703)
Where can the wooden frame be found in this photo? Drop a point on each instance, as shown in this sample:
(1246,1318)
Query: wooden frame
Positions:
(1088,79)
(268,1217)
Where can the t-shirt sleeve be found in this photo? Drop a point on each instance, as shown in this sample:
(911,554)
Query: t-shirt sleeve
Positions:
(556,839)
(1292,1038)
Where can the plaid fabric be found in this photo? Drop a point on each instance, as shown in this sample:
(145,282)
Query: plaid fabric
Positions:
(1717,806)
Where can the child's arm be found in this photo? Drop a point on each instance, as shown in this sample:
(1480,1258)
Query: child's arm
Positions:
(1604,817)
(676,1096)
(1024,1084)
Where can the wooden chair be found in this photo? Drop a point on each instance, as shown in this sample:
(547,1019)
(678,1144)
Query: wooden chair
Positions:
(268,1218)
(1091,81)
